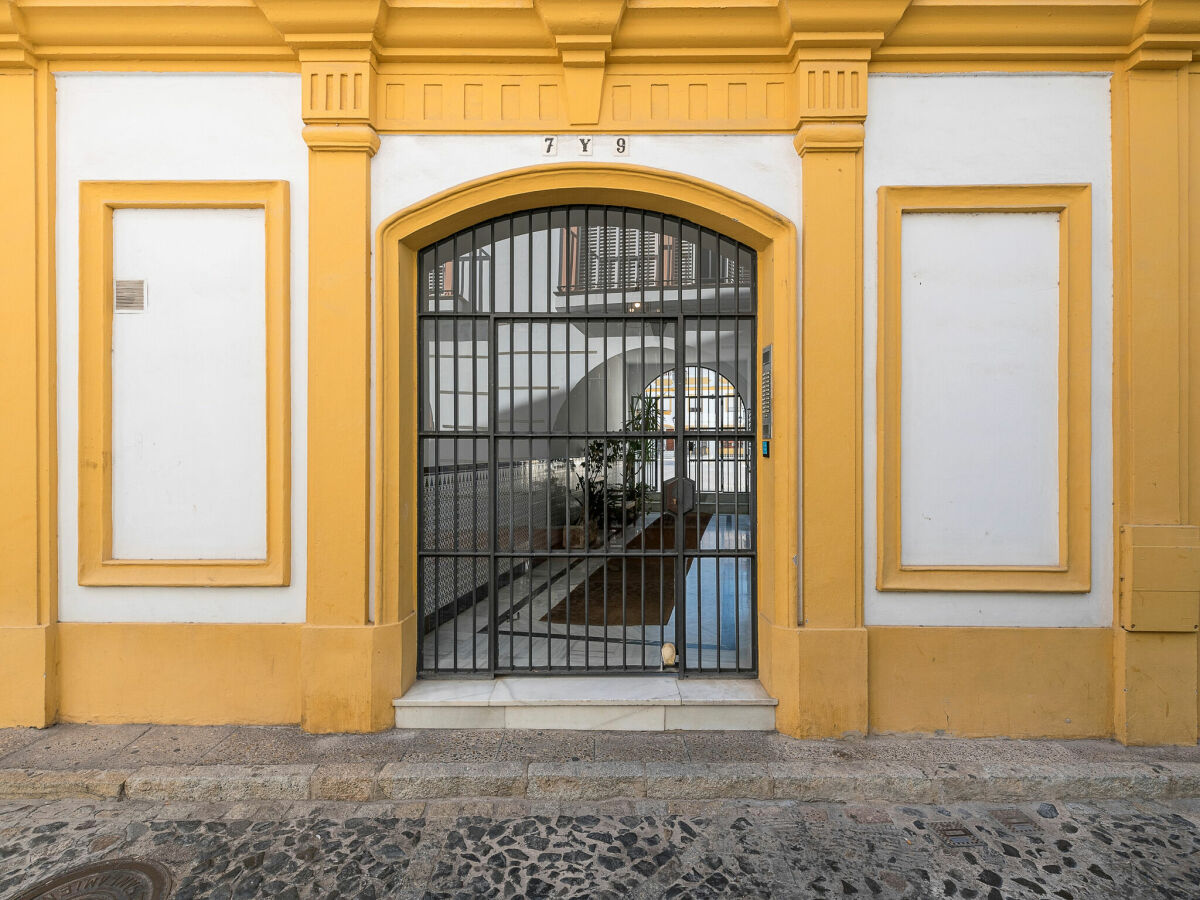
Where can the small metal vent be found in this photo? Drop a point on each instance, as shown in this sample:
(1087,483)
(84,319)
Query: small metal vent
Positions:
(129,296)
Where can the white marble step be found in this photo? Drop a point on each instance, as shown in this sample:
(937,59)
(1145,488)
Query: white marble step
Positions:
(601,703)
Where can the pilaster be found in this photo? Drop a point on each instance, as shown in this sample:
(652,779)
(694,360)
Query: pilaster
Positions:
(1158,560)
(350,663)
(28,559)
(826,693)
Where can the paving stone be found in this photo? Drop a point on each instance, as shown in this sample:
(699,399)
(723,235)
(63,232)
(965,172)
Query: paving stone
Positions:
(717,848)
(454,746)
(13,739)
(730,746)
(783,748)
(1106,751)
(170,745)
(636,746)
(74,746)
(546,746)
(251,745)
(927,752)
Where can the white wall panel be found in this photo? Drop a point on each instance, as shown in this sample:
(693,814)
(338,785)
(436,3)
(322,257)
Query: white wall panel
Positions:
(189,404)
(183,126)
(989,129)
(979,390)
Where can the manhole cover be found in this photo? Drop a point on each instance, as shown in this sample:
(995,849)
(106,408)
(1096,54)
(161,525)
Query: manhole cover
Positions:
(956,834)
(113,879)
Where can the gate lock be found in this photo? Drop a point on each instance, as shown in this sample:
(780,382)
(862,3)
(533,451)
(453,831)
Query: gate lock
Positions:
(679,495)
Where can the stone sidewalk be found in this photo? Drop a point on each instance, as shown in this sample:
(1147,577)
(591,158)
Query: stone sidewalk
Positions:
(240,764)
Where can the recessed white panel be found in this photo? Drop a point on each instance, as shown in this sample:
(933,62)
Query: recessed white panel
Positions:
(979,389)
(1008,129)
(189,386)
(115,126)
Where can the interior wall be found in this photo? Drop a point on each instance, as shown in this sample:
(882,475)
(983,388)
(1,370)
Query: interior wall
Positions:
(976,129)
(116,126)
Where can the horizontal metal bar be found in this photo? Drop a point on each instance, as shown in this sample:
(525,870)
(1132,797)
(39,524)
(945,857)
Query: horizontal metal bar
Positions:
(638,315)
(580,554)
(707,435)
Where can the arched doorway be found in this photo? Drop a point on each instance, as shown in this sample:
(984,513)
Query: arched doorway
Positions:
(570,517)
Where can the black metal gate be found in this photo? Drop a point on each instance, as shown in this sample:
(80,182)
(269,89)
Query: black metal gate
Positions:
(587,446)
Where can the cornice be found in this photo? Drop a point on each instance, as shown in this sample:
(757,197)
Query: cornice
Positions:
(16,51)
(589,41)
(1166,34)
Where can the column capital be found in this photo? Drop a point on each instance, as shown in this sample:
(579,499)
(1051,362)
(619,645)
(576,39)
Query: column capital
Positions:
(352,138)
(829,137)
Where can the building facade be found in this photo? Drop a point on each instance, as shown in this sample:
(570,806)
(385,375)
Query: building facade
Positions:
(849,345)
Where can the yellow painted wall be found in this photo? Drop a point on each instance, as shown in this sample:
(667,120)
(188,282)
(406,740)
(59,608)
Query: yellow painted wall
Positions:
(616,66)
(186,674)
(978,682)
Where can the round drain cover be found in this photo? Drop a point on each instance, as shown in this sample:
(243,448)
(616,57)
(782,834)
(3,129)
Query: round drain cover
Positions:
(113,879)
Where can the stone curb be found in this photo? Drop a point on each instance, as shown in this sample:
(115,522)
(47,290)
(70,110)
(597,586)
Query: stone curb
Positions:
(815,781)
(40,784)
(586,780)
(204,784)
(430,781)
(709,781)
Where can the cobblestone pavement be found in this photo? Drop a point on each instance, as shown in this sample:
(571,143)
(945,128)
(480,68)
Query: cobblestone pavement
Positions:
(626,849)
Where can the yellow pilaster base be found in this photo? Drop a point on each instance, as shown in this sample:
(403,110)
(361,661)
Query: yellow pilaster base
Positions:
(819,676)
(1155,680)
(28,677)
(351,675)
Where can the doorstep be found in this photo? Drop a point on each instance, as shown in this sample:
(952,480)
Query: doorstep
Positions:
(599,703)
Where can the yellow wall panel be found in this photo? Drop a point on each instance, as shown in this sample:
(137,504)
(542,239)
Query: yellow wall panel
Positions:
(179,674)
(978,682)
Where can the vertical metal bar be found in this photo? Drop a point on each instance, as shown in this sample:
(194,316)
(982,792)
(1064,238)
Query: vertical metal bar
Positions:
(696,559)
(624,489)
(752,424)
(681,471)
(575,214)
(493,490)
(512,445)
(719,452)
(422,527)
(529,538)
(437,487)
(641,512)
(737,484)
(604,520)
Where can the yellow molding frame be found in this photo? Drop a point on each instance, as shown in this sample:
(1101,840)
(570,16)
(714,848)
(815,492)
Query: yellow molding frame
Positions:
(97,201)
(402,235)
(1073,205)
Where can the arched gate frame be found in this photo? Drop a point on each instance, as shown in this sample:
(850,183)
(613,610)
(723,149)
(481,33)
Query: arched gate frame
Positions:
(403,235)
